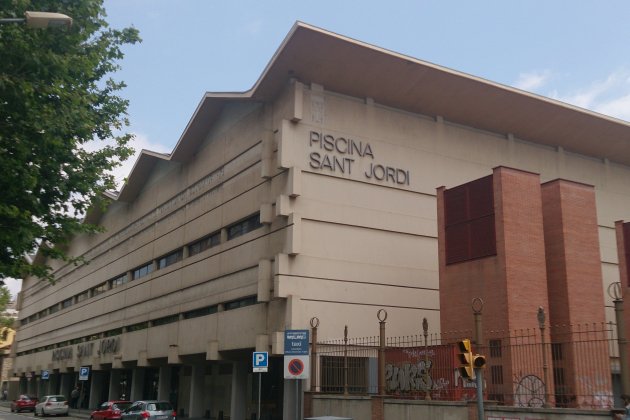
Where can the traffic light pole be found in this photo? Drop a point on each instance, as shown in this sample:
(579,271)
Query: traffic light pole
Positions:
(479,379)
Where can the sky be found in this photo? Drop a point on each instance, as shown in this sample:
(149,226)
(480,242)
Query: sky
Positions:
(575,51)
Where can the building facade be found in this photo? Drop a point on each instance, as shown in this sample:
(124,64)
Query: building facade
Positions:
(311,195)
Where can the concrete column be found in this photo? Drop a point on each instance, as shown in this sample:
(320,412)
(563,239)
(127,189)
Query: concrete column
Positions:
(196,406)
(114,391)
(164,385)
(238,404)
(137,383)
(66,384)
(96,389)
(31,386)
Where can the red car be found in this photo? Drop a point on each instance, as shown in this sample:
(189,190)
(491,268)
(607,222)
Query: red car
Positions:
(24,403)
(109,410)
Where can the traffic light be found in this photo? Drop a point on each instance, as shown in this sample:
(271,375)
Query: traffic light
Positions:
(467,361)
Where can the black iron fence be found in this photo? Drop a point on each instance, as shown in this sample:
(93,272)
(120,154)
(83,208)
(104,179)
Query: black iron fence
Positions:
(560,366)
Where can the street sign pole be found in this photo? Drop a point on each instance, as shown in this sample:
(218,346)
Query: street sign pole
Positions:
(259,385)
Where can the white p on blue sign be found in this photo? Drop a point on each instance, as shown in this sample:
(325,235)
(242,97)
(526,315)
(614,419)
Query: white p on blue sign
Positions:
(45,374)
(84,373)
(260,361)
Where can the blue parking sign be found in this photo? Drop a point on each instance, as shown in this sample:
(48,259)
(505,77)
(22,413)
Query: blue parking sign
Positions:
(45,374)
(84,373)
(260,361)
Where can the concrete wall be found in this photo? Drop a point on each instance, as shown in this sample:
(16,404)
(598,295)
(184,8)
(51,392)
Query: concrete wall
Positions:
(359,408)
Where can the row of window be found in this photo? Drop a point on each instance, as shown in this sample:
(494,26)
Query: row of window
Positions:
(195,313)
(233,231)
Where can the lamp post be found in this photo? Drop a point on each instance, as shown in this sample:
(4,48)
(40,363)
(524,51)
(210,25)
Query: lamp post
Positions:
(541,325)
(425,332)
(40,20)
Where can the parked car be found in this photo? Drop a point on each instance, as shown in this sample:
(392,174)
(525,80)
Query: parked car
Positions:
(23,403)
(149,410)
(52,405)
(110,410)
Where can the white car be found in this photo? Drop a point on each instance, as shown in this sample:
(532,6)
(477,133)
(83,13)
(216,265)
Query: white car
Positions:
(52,405)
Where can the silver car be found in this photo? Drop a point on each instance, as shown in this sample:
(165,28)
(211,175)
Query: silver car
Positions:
(149,410)
(52,405)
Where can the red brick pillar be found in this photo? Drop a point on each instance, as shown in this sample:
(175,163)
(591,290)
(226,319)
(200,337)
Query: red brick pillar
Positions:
(378,409)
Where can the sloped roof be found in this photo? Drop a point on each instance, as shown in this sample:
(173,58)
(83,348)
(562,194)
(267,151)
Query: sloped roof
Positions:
(351,67)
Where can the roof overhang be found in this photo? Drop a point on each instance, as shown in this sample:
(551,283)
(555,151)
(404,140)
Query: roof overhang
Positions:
(354,68)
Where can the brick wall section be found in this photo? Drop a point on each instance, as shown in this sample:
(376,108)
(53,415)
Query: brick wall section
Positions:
(574,273)
(574,281)
(513,284)
(520,241)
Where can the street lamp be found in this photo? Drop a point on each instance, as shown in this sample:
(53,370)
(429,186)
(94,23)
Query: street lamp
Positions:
(41,20)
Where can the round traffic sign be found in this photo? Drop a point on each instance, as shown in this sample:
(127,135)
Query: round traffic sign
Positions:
(296,367)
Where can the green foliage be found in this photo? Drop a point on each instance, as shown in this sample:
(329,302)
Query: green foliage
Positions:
(56,100)
(5,298)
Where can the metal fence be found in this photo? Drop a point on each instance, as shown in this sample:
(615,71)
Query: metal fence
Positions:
(561,366)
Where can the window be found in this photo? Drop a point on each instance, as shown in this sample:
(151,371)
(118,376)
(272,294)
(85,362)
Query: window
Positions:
(67,303)
(201,312)
(118,281)
(495,348)
(83,296)
(244,226)
(101,288)
(43,313)
(240,303)
(53,309)
(142,271)
(169,259)
(165,320)
(204,243)
(113,333)
(496,375)
(137,327)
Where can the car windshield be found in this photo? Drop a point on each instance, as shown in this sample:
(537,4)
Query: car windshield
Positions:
(159,406)
(121,405)
(57,398)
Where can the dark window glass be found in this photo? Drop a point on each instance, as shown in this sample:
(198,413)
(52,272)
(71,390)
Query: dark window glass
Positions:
(165,320)
(201,312)
(118,281)
(495,348)
(204,243)
(66,303)
(142,271)
(240,303)
(496,374)
(83,296)
(112,333)
(53,309)
(137,327)
(101,288)
(244,226)
(169,259)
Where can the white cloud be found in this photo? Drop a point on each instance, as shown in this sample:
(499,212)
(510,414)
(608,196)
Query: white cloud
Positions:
(532,80)
(609,96)
(139,142)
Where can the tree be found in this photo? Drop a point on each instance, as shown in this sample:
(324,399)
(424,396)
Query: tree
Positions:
(56,99)
(5,321)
